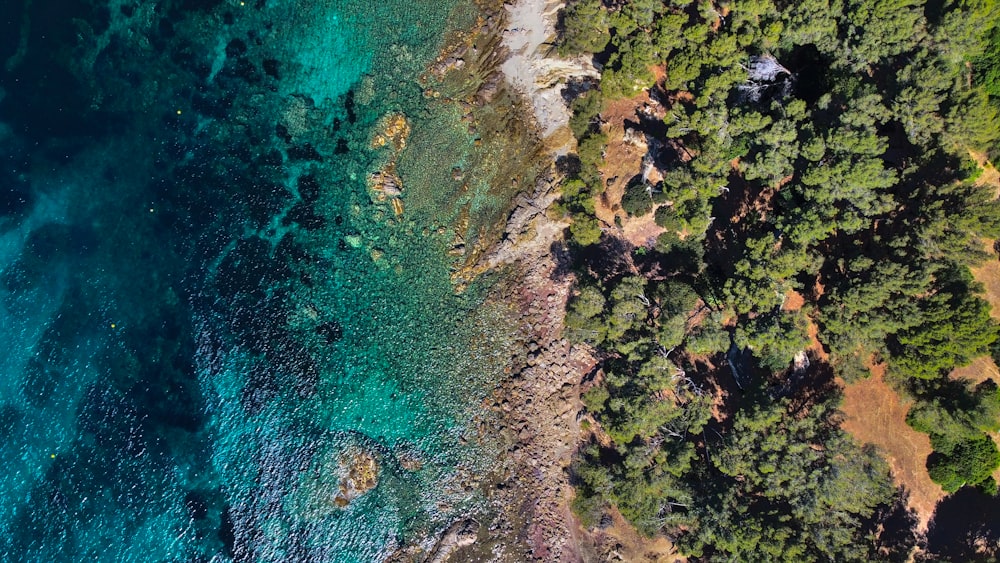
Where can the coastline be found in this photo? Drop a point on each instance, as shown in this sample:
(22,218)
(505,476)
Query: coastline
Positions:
(538,404)
(503,71)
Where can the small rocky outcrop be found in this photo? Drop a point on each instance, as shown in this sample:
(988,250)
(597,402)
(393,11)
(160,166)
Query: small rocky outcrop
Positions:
(359,474)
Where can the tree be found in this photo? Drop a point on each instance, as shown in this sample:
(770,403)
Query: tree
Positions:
(956,421)
(841,171)
(710,338)
(774,338)
(585,27)
(953,330)
(879,29)
(784,499)
(585,230)
(637,199)
(970,462)
(584,316)
(869,300)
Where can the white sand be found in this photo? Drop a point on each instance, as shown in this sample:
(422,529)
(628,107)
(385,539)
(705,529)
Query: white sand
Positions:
(533,68)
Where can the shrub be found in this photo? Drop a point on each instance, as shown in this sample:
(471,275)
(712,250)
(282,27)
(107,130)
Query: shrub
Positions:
(636,201)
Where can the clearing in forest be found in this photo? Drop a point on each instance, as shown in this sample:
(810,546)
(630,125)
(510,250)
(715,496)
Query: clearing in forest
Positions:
(876,414)
(623,160)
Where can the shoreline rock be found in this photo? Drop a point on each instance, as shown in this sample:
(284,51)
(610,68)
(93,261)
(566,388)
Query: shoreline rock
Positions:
(534,70)
(528,516)
(539,402)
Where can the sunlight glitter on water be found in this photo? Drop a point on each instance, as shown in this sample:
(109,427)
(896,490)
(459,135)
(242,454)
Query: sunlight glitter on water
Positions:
(224,346)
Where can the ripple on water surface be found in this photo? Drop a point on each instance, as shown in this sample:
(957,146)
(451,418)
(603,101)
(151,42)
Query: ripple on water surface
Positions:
(225,340)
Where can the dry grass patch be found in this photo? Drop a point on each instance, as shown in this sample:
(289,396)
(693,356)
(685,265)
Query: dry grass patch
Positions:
(990,175)
(978,371)
(876,414)
(988,274)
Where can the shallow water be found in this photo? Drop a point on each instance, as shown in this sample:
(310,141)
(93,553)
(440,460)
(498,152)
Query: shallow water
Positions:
(208,313)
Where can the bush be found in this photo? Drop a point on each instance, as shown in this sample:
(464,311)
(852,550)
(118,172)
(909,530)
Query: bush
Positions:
(774,338)
(591,151)
(585,230)
(970,463)
(708,340)
(585,28)
(667,218)
(636,201)
(586,109)
(595,398)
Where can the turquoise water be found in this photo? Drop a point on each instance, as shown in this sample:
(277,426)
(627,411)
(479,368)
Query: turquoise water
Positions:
(209,316)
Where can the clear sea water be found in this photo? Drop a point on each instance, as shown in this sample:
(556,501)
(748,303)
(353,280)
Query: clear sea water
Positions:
(204,309)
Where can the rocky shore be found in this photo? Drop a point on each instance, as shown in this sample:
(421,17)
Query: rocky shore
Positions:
(537,406)
(539,403)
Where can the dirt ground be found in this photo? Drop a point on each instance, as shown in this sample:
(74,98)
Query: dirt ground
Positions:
(875,414)
(623,543)
(990,175)
(622,161)
(988,274)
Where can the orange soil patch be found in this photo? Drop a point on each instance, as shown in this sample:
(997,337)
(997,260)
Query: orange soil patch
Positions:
(875,414)
(793,301)
(815,346)
(622,161)
(659,73)
(720,16)
(621,542)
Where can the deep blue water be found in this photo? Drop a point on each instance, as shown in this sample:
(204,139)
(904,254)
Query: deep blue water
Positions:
(207,313)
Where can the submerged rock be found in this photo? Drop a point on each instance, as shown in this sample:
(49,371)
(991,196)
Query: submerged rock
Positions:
(385,184)
(335,477)
(394,130)
(359,474)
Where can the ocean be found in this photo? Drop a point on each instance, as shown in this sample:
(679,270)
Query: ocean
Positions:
(229,238)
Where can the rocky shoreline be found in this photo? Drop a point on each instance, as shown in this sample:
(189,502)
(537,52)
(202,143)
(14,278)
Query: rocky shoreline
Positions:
(539,403)
(537,406)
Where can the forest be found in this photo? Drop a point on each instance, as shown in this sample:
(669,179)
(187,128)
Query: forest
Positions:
(820,148)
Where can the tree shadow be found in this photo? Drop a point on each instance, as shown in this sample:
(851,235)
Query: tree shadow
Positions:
(563,260)
(965,527)
(894,528)
(608,261)
(812,386)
